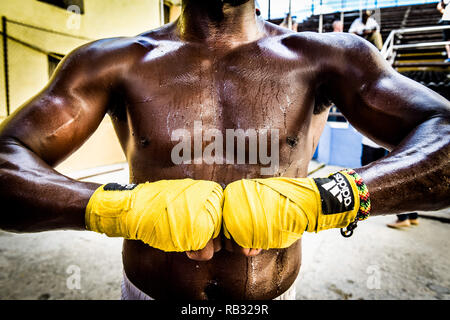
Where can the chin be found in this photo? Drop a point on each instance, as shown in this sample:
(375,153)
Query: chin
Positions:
(236,3)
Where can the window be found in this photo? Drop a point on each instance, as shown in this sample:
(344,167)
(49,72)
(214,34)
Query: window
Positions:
(53,60)
(166,13)
(64,4)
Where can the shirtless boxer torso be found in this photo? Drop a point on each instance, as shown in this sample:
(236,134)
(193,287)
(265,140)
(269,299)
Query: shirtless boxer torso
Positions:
(220,65)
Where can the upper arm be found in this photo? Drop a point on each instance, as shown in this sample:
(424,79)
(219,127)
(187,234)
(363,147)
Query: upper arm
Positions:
(56,121)
(377,100)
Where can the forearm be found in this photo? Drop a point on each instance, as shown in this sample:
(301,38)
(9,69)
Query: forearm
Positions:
(415,176)
(35,197)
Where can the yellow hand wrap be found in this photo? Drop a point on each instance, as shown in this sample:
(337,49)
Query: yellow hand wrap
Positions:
(170,215)
(274,213)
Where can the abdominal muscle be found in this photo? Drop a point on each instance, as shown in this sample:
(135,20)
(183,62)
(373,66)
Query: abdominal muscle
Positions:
(227,275)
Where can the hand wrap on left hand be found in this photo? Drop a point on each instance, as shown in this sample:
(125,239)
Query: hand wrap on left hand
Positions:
(274,212)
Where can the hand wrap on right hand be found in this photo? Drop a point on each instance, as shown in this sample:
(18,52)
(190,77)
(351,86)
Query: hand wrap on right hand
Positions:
(170,215)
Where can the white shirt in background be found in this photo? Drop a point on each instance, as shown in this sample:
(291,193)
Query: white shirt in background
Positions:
(358,26)
(446,15)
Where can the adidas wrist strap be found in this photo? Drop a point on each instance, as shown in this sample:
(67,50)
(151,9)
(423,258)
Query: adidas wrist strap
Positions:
(343,192)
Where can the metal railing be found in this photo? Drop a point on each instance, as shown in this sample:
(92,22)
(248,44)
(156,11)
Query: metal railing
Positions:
(390,47)
(307,8)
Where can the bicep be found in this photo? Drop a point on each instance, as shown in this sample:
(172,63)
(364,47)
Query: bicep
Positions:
(57,121)
(381,103)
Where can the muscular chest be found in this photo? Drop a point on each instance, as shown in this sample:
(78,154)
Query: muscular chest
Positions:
(253,89)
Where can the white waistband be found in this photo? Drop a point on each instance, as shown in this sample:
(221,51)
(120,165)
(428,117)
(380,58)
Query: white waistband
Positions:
(131,292)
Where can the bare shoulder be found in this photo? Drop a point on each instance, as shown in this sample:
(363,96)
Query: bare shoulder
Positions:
(117,53)
(352,47)
(339,55)
(107,53)
(335,47)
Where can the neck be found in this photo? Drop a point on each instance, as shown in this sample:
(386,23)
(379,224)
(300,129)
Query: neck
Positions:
(216,22)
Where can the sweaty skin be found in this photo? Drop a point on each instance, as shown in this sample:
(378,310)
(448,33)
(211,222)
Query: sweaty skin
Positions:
(220,65)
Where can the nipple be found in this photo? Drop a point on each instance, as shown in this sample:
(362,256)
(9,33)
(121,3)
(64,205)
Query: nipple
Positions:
(292,141)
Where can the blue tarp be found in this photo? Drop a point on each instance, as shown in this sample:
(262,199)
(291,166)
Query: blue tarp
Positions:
(340,146)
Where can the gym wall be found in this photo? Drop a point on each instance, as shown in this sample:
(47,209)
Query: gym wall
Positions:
(34,29)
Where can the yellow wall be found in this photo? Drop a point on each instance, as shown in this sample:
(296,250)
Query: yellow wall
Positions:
(175,11)
(28,69)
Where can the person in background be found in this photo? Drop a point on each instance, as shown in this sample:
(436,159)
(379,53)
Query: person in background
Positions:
(289,19)
(444,8)
(338,26)
(368,28)
(258,9)
(405,220)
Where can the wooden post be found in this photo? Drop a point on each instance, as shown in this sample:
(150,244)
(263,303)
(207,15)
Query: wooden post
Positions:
(290,15)
(6,64)
(320,18)
(161,12)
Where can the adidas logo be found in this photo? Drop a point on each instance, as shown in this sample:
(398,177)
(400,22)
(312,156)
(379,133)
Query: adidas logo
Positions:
(129,186)
(339,188)
(119,187)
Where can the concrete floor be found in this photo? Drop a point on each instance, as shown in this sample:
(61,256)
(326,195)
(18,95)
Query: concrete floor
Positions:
(376,263)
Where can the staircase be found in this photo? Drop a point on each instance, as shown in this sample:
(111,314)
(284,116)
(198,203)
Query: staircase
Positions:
(415,48)
(419,53)
(391,18)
